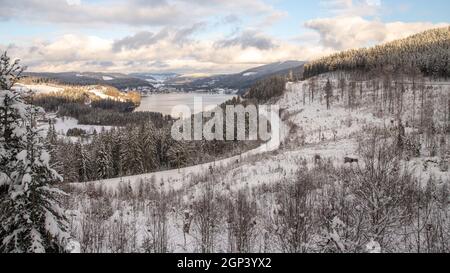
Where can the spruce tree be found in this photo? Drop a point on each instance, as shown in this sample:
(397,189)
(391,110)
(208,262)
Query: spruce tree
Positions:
(31,219)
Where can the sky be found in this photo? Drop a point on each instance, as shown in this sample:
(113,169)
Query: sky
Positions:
(201,36)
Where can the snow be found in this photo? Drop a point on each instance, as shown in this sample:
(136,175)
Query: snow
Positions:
(373,247)
(99,91)
(73,247)
(176,178)
(45,157)
(249,74)
(330,134)
(26,179)
(3,179)
(107,78)
(22,155)
(63,124)
(38,88)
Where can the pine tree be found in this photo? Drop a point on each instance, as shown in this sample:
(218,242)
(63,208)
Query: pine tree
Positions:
(177,155)
(30,216)
(145,147)
(427,52)
(51,142)
(104,162)
(82,162)
(129,157)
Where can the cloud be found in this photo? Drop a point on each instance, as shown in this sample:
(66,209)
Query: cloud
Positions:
(159,52)
(139,40)
(352,7)
(249,38)
(181,36)
(345,32)
(146,38)
(146,51)
(231,19)
(153,12)
(130,13)
(73,2)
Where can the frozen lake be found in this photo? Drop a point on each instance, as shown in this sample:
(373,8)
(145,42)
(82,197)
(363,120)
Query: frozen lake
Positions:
(164,103)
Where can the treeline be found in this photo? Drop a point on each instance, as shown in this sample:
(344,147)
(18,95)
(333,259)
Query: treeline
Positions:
(428,51)
(133,150)
(266,89)
(73,78)
(89,115)
(85,95)
(106,112)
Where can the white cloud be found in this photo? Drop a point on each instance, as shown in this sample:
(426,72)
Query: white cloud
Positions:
(352,7)
(73,2)
(166,35)
(248,39)
(89,53)
(345,32)
(148,13)
(146,51)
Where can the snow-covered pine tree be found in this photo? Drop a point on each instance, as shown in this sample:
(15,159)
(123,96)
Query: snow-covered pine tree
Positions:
(31,219)
(82,162)
(129,157)
(145,147)
(177,155)
(50,145)
(104,162)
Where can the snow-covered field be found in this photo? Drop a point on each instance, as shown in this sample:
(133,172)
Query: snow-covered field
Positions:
(96,90)
(63,124)
(38,88)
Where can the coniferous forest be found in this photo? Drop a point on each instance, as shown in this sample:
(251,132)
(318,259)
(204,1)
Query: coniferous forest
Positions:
(427,52)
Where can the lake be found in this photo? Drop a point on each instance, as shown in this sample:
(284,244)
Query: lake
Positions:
(164,103)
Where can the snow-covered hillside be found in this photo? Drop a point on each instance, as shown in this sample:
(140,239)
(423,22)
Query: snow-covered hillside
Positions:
(38,88)
(314,131)
(316,140)
(95,90)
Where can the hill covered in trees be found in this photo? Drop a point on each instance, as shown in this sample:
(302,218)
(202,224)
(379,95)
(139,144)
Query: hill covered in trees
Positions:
(117,80)
(428,52)
(242,81)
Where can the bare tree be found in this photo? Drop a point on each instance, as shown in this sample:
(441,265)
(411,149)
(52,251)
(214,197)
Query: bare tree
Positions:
(328,93)
(292,215)
(312,88)
(241,223)
(206,217)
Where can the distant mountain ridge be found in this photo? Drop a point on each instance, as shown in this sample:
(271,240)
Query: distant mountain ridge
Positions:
(118,80)
(155,77)
(238,81)
(243,80)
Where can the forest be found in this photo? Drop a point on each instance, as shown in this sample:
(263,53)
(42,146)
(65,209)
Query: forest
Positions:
(427,52)
(136,146)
